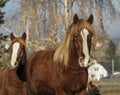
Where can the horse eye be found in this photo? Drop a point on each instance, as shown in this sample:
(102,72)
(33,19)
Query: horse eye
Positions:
(76,36)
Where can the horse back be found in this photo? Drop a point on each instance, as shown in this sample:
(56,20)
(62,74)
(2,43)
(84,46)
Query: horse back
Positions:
(38,57)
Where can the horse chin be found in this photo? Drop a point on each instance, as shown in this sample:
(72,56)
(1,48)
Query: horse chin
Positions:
(82,64)
(13,68)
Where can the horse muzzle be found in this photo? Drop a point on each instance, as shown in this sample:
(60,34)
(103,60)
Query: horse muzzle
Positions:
(13,67)
(83,63)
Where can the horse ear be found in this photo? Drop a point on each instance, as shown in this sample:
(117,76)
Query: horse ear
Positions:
(75,19)
(12,36)
(90,19)
(24,36)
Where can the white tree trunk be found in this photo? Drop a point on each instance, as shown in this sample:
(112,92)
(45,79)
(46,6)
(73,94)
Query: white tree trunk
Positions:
(27,23)
(66,13)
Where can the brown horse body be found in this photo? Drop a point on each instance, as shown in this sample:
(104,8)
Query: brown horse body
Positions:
(2,71)
(48,77)
(12,85)
(60,71)
(14,80)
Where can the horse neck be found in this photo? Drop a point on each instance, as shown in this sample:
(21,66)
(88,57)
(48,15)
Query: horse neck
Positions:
(21,71)
(73,59)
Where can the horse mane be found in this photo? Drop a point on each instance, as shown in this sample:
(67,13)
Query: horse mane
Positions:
(61,54)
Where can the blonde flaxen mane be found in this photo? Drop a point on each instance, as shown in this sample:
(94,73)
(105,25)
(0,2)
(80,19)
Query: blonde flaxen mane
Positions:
(62,52)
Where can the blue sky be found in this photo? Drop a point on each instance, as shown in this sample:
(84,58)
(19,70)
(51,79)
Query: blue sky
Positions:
(11,8)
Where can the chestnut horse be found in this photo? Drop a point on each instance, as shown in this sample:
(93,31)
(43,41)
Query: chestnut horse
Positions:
(62,71)
(14,79)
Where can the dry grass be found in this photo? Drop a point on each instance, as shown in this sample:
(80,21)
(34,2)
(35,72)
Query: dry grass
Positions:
(109,86)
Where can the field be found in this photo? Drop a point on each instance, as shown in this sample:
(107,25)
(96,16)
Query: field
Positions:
(110,86)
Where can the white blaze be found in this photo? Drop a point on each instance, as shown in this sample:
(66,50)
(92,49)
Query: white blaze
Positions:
(84,34)
(14,53)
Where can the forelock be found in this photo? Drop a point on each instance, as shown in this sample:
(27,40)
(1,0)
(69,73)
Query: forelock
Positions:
(19,40)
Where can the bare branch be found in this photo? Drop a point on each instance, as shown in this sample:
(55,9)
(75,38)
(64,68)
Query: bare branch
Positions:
(8,30)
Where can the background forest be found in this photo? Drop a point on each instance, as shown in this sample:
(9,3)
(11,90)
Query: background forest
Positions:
(45,22)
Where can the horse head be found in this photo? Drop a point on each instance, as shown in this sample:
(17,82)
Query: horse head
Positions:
(17,50)
(82,31)
(76,42)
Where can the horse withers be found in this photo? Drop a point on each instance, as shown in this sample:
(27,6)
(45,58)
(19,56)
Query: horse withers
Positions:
(14,79)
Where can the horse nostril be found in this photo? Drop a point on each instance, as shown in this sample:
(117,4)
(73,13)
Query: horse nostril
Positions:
(15,63)
(81,59)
